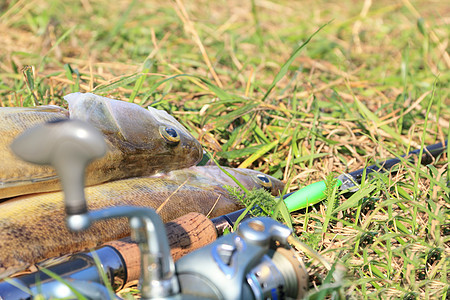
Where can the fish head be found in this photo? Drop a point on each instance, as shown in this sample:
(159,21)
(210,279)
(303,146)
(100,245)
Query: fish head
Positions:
(250,179)
(177,142)
(151,136)
(255,179)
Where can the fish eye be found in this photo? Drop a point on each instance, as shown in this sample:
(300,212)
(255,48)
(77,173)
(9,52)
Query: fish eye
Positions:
(264,181)
(56,121)
(169,134)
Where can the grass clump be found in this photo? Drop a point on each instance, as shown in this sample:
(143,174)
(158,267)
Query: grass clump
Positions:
(260,202)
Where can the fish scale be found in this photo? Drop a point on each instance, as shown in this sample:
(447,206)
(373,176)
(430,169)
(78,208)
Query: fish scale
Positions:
(135,144)
(32,227)
(13,121)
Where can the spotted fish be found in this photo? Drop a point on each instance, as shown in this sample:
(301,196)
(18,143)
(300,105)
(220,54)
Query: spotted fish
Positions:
(32,227)
(211,173)
(140,142)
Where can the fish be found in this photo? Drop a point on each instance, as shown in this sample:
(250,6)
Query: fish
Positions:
(251,178)
(141,142)
(32,227)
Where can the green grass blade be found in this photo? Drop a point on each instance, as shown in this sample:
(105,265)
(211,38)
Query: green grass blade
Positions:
(229,175)
(370,116)
(56,44)
(103,275)
(284,69)
(121,21)
(122,82)
(140,81)
(355,198)
(62,280)
(259,153)
(233,154)
(18,285)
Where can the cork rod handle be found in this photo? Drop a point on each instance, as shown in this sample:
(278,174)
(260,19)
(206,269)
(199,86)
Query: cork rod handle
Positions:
(185,234)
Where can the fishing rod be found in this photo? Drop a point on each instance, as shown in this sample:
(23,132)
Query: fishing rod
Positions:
(314,193)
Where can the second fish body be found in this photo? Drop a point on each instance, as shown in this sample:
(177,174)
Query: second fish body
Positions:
(32,227)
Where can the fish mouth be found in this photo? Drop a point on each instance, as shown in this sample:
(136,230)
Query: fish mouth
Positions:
(278,187)
(193,151)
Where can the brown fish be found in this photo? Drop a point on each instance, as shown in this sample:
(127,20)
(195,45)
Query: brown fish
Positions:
(249,178)
(140,142)
(32,227)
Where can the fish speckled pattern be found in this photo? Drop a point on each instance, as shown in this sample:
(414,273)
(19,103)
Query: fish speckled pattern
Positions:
(32,227)
(250,178)
(16,174)
(140,141)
